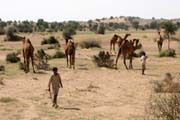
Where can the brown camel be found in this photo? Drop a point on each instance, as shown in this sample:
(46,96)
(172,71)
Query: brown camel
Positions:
(70,54)
(127,48)
(160,41)
(115,40)
(28,52)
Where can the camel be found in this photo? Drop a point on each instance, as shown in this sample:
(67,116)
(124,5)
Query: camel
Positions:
(113,43)
(160,41)
(127,48)
(28,52)
(114,40)
(70,54)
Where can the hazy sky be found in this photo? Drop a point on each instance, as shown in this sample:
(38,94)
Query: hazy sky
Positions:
(62,10)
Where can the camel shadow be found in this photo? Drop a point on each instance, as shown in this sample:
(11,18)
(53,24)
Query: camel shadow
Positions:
(66,108)
(152,75)
(40,72)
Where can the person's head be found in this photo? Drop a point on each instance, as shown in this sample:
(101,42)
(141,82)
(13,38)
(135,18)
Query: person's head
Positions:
(55,69)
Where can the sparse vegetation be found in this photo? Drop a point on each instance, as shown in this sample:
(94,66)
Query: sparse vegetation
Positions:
(12,58)
(7,99)
(167,53)
(2,68)
(59,54)
(90,44)
(50,40)
(164,104)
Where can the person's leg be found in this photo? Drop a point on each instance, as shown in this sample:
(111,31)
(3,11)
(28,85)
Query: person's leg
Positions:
(143,69)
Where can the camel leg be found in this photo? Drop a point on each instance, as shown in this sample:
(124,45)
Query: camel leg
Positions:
(24,61)
(114,48)
(73,58)
(130,62)
(70,60)
(110,48)
(67,60)
(125,62)
(32,60)
(27,65)
(117,58)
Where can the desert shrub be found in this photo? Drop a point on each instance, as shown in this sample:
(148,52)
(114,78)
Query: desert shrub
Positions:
(139,46)
(12,58)
(10,35)
(163,107)
(101,29)
(167,85)
(42,60)
(50,40)
(167,53)
(2,31)
(58,54)
(103,60)
(7,99)
(90,44)
(56,46)
(164,103)
(2,68)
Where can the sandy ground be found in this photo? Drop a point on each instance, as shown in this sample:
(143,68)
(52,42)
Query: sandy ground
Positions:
(89,93)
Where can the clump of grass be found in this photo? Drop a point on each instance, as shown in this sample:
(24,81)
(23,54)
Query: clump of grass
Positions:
(164,104)
(145,36)
(90,44)
(7,99)
(167,53)
(50,40)
(2,68)
(167,85)
(138,54)
(12,58)
(58,54)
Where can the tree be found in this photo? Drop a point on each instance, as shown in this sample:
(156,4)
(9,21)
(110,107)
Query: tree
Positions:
(101,29)
(68,33)
(169,29)
(135,24)
(154,25)
(42,25)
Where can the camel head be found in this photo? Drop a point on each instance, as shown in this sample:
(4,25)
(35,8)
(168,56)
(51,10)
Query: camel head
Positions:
(126,36)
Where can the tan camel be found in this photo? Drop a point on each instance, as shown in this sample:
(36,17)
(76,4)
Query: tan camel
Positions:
(160,41)
(70,54)
(28,52)
(127,48)
(115,40)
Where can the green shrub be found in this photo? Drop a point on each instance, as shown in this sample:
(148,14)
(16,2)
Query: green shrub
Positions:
(58,54)
(139,54)
(90,44)
(12,58)
(2,68)
(167,53)
(50,40)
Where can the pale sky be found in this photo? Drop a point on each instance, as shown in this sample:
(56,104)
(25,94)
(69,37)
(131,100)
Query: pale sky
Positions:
(63,10)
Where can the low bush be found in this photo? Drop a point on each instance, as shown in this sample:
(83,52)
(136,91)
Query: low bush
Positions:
(90,44)
(50,40)
(12,58)
(2,68)
(138,54)
(167,53)
(58,54)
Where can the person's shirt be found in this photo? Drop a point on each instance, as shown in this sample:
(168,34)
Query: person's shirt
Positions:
(55,81)
(143,59)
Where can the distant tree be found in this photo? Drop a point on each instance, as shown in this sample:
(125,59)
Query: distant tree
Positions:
(169,29)
(101,29)
(154,25)
(178,24)
(68,32)
(42,25)
(111,17)
(135,24)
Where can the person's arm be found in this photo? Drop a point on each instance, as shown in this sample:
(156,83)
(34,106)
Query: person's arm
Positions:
(60,82)
(50,80)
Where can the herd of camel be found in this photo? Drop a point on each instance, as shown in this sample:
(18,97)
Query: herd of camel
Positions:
(125,48)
